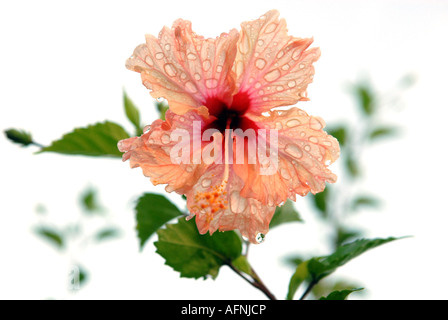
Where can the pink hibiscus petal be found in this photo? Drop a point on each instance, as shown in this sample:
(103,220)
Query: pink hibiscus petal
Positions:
(217,204)
(185,68)
(272,67)
(305,151)
(152,150)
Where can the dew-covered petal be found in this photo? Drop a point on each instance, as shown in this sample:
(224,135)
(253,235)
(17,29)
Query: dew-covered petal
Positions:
(272,67)
(220,206)
(185,68)
(305,151)
(152,150)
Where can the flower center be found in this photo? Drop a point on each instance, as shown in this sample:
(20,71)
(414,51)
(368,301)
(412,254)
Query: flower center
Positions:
(223,116)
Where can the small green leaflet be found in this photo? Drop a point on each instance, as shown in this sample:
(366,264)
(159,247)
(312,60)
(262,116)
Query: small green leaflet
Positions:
(94,140)
(152,212)
(19,137)
(284,214)
(340,295)
(51,235)
(132,113)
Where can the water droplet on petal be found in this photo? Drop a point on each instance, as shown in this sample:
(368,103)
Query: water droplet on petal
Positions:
(307,148)
(260,42)
(165,138)
(285,67)
(316,124)
(313,139)
(170,69)
(189,169)
(206,183)
(270,28)
(272,75)
(260,63)
(167,47)
(191,56)
(206,65)
(294,151)
(211,83)
(197,76)
(285,173)
(146,128)
(260,237)
(237,203)
(292,123)
(149,61)
(280,54)
(291,84)
(159,55)
(218,69)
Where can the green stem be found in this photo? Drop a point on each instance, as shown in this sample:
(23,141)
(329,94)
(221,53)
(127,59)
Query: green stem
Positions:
(255,282)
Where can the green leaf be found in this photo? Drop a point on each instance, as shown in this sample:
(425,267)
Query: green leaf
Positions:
(89,201)
(284,214)
(51,235)
(152,212)
(19,136)
(95,140)
(162,107)
(340,295)
(195,255)
(300,275)
(340,133)
(382,132)
(364,201)
(242,265)
(132,113)
(352,166)
(365,97)
(320,201)
(323,266)
(106,234)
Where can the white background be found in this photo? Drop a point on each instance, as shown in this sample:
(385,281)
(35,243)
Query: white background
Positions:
(62,66)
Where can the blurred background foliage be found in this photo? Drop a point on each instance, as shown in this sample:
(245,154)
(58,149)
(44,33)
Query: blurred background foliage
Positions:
(194,255)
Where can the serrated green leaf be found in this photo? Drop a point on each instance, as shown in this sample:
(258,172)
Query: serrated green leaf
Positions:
(340,295)
(195,255)
(51,235)
(132,113)
(284,214)
(382,132)
(152,212)
(19,136)
(323,266)
(300,275)
(242,265)
(340,133)
(108,233)
(95,140)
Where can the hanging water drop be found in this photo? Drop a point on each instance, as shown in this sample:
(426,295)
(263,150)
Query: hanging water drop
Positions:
(260,237)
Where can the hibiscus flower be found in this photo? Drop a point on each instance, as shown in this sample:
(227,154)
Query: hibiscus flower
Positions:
(234,82)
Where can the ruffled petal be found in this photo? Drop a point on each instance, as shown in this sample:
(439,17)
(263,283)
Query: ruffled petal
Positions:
(304,153)
(220,206)
(272,67)
(152,150)
(185,68)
